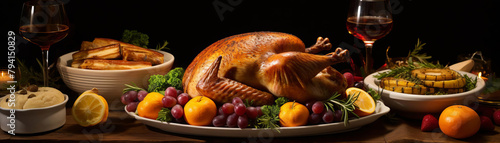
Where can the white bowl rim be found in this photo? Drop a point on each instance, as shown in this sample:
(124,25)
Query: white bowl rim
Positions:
(63,64)
(370,81)
(34,109)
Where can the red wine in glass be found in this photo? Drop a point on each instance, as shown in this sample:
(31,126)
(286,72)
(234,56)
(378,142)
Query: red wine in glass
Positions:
(44,35)
(369,28)
(369,20)
(43,22)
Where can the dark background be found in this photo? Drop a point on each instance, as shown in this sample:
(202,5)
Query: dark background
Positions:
(449,28)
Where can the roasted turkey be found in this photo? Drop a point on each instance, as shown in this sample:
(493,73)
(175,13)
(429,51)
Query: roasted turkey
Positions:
(260,66)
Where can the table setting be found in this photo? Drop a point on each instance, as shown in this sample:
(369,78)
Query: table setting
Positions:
(240,71)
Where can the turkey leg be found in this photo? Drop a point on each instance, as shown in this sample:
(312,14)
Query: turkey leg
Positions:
(322,44)
(224,89)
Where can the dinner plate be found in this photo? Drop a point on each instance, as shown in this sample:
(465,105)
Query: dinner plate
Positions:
(308,130)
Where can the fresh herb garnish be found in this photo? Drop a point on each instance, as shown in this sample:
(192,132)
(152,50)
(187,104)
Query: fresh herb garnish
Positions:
(346,106)
(132,88)
(164,115)
(164,46)
(270,115)
(135,37)
(416,52)
(469,82)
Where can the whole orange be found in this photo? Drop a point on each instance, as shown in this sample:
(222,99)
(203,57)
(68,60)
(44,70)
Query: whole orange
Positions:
(200,111)
(459,121)
(150,105)
(293,114)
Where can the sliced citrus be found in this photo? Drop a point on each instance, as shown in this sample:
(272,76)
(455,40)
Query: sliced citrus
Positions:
(90,109)
(365,103)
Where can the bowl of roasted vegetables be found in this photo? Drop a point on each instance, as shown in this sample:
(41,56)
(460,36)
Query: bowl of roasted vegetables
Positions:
(425,88)
(108,64)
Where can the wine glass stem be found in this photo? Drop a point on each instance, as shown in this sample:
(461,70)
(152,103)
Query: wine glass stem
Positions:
(45,71)
(369,59)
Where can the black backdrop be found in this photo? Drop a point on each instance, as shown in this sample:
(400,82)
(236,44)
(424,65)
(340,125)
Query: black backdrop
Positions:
(449,28)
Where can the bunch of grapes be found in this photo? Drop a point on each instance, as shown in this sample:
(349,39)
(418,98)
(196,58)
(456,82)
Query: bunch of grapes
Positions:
(175,100)
(235,114)
(320,114)
(132,98)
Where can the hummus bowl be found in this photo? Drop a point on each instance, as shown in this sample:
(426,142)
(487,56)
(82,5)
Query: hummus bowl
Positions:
(34,120)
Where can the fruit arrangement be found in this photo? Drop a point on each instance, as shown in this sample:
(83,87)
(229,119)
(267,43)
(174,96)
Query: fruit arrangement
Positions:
(175,106)
(459,121)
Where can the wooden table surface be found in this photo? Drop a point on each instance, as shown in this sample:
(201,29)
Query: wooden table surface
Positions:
(122,128)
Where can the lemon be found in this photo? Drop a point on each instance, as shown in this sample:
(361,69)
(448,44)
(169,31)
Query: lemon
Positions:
(365,103)
(90,108)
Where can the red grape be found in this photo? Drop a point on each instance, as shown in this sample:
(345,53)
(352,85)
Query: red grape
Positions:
(242,121)
(131,106)
(318,107)
(129,96)
(168,101)
(219,121)
(314,118)
(240,109)
(328,116)
(337,116)
(183,98)
(232,120)
(179,92)
(177,111)
(259,111)
(124,101)
(252,112)
(141,95)
(349,78)
(360,85)
(228,108)
(132,96)
(237,100)
(171,91)
(309,105)
(219,111)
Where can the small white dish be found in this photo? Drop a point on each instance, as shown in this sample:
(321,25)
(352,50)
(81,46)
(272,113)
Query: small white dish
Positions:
(36,120)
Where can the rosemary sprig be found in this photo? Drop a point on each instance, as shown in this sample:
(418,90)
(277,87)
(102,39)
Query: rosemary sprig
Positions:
(164,46)
(415,53)
(346,106)
(131,88)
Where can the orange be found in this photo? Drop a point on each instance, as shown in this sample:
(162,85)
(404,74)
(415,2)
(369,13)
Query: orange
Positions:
(365,105)
(293,114)
(459,121)
(150,106)
(90,108)
(200,111)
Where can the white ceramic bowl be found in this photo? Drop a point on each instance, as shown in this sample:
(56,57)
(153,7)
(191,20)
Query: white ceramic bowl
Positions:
(110,83)
(36,120)
(423,104)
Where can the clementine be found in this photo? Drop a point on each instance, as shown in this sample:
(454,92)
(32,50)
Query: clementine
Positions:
(150,105)
(200,111)
(459,121)
(293,114)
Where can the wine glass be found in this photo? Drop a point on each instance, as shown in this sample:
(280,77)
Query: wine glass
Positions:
(44,23)
(369,20)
